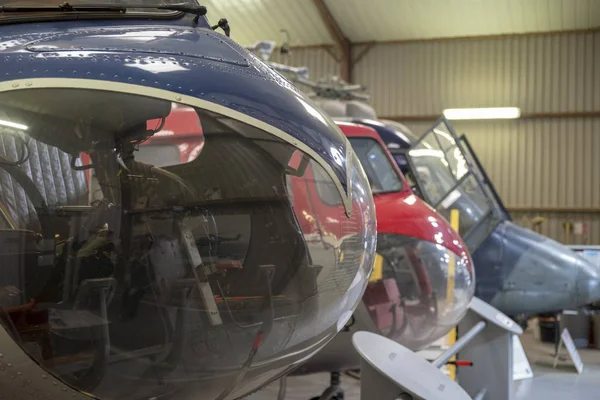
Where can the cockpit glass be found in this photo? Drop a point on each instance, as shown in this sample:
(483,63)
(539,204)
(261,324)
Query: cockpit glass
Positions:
(178,139)
(421,291)
(150,249)
(380,171)
(446,180)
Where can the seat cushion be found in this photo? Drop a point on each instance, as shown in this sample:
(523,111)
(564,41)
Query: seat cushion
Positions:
(50,170)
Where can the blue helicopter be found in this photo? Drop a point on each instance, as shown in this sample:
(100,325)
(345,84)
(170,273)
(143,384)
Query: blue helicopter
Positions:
(129,279)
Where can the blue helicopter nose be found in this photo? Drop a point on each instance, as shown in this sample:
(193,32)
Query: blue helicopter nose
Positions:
(538,274)
(588,281)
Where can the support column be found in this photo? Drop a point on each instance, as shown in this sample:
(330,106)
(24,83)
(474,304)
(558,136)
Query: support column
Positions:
(343,44)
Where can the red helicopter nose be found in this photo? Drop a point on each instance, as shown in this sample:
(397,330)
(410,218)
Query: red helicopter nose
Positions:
(423,279)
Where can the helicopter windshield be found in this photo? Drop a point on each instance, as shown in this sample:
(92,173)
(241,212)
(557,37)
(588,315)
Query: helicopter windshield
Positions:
(199,271)
(448,182)
(377,165)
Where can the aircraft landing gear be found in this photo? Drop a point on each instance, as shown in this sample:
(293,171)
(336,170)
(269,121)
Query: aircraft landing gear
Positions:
(334,391)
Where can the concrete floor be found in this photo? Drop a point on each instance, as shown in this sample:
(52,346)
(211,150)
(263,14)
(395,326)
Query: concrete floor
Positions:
(547,384)
(562,382)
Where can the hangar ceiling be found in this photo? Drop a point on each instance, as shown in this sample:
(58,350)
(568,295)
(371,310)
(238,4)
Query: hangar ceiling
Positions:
(396,20)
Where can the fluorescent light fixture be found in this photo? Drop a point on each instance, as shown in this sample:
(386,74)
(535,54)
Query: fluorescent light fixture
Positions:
(13,125)
(426,153)
(483,113)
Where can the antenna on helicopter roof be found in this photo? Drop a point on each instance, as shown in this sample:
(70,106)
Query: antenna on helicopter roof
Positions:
(224,25)
(285,47)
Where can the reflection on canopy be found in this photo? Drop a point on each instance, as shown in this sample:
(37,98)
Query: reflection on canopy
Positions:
(411,303)
(150,274)
(382,176)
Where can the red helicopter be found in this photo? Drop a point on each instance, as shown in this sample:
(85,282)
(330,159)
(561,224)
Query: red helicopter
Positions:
(423,279)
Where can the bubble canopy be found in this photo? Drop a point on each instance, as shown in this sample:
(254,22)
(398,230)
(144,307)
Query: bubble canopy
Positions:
(414,302)
(169,276)
(426,281)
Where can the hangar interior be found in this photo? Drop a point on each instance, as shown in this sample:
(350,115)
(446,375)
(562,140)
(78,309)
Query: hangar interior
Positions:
(418,58)
(299,199)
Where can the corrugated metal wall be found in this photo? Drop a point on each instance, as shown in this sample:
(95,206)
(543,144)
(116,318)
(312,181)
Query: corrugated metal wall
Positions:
(553,73)
(534,163)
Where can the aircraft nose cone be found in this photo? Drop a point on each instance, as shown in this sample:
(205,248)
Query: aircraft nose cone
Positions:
(588,281)
(543,275)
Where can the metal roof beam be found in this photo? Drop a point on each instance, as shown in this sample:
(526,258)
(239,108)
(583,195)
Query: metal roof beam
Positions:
(340,39)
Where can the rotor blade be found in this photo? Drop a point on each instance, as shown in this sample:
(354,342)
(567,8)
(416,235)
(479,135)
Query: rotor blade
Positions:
(352,88)
(360,96)
(299,72)
(264,48)
(310,84)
